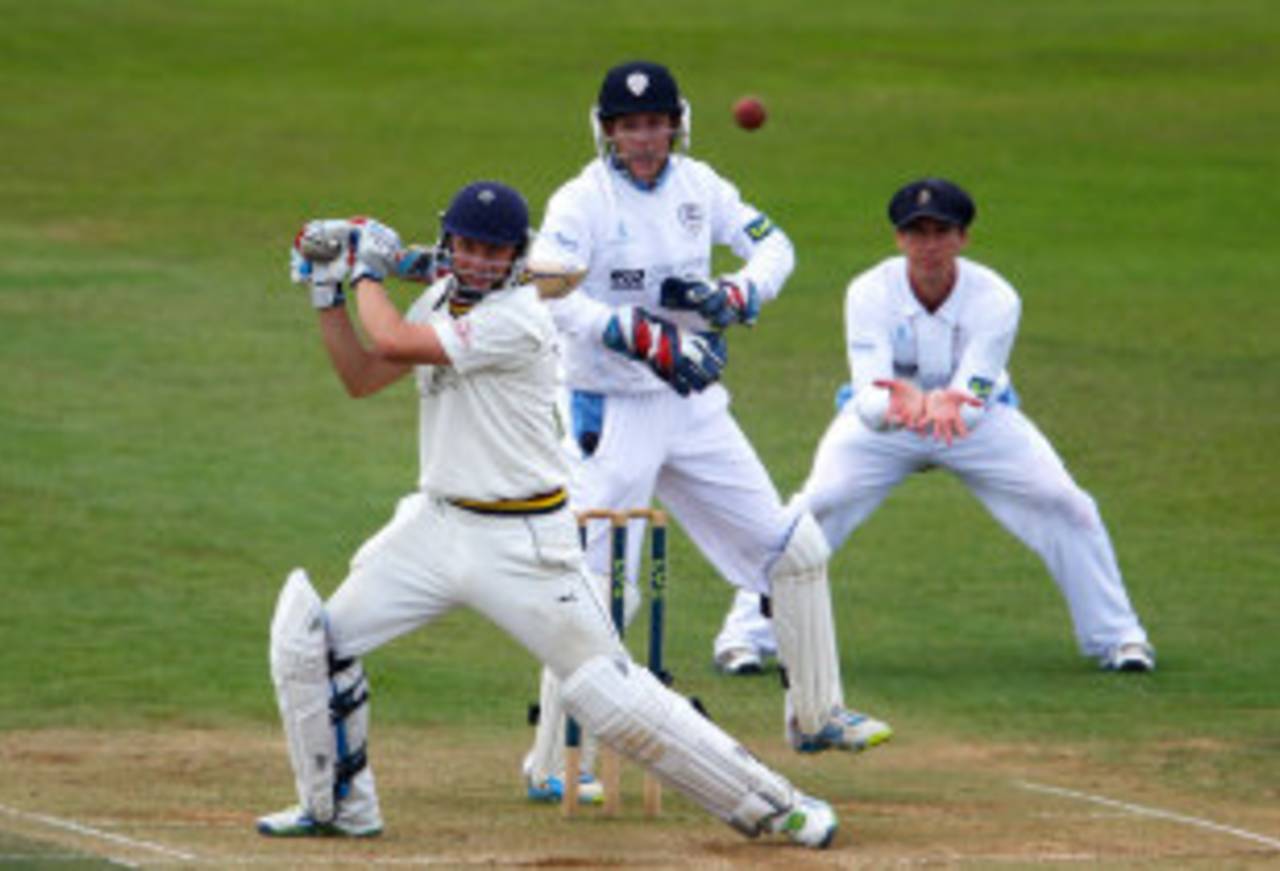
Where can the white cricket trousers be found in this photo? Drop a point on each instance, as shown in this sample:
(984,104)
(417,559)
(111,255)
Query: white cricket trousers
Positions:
(524,573)
(691,454)
(1013,470)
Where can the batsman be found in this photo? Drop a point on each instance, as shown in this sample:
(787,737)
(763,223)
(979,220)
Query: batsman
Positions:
(488,528)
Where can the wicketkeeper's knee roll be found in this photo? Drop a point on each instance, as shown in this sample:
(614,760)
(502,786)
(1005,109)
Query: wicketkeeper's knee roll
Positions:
(633,713)
(805,627)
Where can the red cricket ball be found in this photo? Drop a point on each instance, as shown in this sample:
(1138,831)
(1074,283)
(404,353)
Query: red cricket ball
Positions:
(749,113)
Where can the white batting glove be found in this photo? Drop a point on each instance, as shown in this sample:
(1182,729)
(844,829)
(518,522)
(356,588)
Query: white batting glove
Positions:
(321,258)
(377,251)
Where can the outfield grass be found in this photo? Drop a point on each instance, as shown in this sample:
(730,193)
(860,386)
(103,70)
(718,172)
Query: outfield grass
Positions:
(173,440)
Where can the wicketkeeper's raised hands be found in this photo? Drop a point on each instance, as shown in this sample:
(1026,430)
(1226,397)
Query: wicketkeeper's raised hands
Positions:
(722,302)
(689,362)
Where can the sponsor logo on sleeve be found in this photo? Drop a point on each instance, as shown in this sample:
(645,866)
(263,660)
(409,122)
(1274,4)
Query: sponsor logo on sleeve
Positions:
(760,227)
(626,279)
(981,387)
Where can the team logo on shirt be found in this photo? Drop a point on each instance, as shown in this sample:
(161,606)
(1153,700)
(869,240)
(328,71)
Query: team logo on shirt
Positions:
(462,329)
(760,227)
(691,217)
(981,387)
(626,279)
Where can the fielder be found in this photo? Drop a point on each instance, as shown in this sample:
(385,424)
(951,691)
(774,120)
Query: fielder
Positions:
(488,529)
(641,220)
(929,335)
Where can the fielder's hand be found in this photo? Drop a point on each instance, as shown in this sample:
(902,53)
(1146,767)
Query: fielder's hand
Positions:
(942,412)
(724,302)
(906,404)
(689,362)
(321,257)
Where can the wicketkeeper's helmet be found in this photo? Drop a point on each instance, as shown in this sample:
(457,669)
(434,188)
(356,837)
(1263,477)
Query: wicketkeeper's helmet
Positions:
(640,86)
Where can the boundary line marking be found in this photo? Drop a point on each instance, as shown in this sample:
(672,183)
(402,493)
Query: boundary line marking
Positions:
(1142,810)
(89,831)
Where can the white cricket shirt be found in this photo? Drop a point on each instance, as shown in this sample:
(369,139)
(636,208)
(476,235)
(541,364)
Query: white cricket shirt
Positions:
(487,423)
(629,239)
(965,344)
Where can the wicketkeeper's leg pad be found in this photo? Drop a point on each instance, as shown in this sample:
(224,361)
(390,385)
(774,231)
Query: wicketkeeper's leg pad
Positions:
(323,703)
(633,713)
(805,627)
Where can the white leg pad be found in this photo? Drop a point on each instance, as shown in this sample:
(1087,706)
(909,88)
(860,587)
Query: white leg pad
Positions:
(805,627)
(300,672)
(633,713)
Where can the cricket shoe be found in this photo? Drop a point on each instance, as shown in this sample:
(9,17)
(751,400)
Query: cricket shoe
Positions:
(551,790)
(843,730)
(810,822)
(295,822)
(1130,656)
(739,661)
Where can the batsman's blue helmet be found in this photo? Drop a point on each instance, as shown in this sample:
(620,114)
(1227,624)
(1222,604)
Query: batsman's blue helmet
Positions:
(638,86)
(489,211)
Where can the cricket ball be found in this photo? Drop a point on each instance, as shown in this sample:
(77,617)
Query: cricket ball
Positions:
(749,113)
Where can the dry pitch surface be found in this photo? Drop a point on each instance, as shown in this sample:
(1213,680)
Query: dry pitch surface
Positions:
(161,799)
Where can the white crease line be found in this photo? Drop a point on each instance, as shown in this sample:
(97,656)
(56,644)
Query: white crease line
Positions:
(1150,812)
(72,826)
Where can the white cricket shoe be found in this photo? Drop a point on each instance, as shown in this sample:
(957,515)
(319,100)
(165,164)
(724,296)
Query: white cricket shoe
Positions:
(843,730)
(810,822)
(739,661)
(295,822)
(1130,656)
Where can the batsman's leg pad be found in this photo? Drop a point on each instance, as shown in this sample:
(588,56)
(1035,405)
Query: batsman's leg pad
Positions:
(323,704)
(633,713)
(805,627)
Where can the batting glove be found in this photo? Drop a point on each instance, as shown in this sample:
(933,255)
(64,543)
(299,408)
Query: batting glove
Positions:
(689,362)
(377,251)
(722,303)
(321,257)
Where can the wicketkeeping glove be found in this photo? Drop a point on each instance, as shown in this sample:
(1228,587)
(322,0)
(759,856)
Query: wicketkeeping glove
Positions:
(689,362)
(721,302)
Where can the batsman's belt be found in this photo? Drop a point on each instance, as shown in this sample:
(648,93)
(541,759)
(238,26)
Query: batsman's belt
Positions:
(543,503)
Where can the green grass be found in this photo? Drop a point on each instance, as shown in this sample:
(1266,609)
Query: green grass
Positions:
(173,441)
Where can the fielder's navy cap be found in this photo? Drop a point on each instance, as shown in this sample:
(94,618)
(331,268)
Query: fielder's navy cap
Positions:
(934,198)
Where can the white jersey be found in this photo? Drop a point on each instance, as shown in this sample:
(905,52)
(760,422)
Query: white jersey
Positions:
(965,344)
(488,422)
(629,239)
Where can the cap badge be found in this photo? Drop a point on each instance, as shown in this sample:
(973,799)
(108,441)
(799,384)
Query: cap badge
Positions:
(486,196)
(923,197)
(637,83)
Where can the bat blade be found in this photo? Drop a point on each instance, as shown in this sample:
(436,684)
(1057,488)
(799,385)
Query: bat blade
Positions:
(553,280)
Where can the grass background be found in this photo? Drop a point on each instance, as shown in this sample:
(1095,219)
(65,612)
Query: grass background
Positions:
(172,440)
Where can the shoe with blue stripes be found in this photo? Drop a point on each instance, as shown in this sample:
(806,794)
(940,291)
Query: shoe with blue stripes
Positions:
(843,730)
(551,790)
(295,822)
